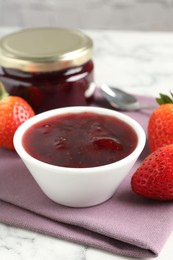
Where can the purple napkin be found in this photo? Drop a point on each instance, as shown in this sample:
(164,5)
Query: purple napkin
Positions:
(126,224)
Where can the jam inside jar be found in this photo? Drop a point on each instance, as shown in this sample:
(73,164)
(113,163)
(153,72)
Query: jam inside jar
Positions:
(48,67)
(49,90)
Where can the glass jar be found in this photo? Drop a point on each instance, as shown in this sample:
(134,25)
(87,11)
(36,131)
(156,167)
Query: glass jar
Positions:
(48,67)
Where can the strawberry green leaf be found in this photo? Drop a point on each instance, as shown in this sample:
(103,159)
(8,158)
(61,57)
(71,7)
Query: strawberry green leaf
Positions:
(3,92)
(164,99)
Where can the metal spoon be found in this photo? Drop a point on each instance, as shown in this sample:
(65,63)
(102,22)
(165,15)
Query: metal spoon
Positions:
(120,99)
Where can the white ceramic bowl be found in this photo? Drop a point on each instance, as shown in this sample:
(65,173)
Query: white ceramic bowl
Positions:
(79,187)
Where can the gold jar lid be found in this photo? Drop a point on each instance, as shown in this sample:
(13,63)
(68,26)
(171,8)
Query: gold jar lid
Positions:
(45,49)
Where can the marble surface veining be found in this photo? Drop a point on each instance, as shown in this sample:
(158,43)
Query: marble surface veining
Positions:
(139,62)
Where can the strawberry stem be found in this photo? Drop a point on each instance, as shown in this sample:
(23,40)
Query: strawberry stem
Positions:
(3,92)
(164,99)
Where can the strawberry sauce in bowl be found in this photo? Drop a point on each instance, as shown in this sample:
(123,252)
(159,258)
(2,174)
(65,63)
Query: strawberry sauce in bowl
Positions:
(80,140)
(79,155)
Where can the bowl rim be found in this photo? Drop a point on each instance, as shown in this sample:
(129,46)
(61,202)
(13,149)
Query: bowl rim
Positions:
(17,139)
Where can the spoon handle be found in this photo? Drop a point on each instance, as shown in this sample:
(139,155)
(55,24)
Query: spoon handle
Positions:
(133,108)
(145,107)
(141,107)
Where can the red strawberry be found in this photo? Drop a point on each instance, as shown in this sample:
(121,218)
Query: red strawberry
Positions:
(154,178)
(160,127)
(13,112)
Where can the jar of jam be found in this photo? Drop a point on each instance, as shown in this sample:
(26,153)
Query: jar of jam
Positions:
(48,67)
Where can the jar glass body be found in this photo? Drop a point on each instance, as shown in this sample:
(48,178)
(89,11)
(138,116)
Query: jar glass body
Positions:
(49,90)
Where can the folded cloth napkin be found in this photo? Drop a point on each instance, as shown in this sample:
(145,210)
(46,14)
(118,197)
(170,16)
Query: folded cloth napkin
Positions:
(126,224)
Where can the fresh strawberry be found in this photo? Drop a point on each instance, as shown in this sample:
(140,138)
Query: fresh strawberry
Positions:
(154,178)
(13,112)
(160,127)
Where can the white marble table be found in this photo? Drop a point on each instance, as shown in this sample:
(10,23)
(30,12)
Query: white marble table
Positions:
(138,62)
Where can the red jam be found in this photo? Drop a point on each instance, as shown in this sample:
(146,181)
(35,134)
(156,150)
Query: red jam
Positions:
(80,140)
(49,90)
(48,67)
